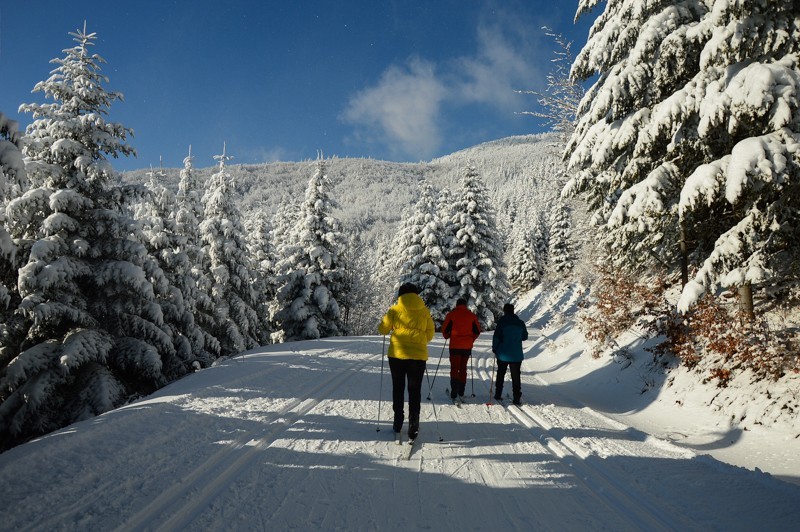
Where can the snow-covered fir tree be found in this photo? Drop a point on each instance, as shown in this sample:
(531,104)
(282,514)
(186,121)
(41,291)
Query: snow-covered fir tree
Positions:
(284,223)
(385,275)
(89,287)
(424,259)
(13,180)
(445,208)
(196,286)
(364,291)
(311,271)
(163,242)
(477,251)
(264,261)
(527,258)
(231,274)
(560,252)
(689,136)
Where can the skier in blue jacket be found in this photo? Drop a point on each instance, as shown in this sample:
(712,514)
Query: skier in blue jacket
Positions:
(509,333)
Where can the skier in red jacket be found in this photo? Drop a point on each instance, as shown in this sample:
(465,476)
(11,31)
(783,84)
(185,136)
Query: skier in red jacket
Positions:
(462,328)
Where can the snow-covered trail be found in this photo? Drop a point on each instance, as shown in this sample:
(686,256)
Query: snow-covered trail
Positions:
(285,438)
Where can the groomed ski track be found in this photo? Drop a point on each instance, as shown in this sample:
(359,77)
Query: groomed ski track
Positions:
(285,438)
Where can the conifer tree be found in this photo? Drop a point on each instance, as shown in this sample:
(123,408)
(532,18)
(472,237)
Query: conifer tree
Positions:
(13,180)
(311,271)
(195,285)
(424,260)
(264,261)
(528,256)
(164,243)
(689,135)
(284,223)
(89,287)
(445,210)
(560,253)
(478,251)
(231,274)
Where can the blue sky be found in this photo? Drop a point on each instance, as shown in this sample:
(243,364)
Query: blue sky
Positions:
(281,80)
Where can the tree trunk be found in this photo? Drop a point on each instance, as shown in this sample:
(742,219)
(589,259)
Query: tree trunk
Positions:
(684,257)
(746,301)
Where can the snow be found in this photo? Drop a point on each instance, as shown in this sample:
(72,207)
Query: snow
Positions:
(284,437)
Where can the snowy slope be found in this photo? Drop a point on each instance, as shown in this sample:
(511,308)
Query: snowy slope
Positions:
(285,437)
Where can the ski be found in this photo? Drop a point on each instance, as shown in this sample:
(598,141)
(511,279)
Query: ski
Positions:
(504,401)
(409,448)
(458,401)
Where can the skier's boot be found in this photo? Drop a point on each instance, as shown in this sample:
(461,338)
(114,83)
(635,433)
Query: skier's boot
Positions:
(498,391)
(413,429)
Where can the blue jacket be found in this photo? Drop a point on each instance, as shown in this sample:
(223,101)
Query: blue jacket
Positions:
(509,333)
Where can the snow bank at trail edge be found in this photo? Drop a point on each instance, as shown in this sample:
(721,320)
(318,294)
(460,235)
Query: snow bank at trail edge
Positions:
(745,424)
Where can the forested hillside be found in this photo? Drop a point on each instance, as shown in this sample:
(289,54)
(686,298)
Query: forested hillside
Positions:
(374,193)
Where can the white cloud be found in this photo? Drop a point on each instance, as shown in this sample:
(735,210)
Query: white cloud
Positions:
(495,72)
(406,109)
(403,108)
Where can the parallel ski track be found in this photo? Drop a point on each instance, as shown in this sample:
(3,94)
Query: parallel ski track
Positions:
(54,520)
(612,491)
(198,489)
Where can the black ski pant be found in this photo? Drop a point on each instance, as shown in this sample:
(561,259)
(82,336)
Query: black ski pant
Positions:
(412,371)
(458,370)
(516,383)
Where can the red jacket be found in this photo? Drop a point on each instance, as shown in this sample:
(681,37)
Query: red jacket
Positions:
(461,327)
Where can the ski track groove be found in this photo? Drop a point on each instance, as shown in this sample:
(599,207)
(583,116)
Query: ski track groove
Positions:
(224,465)
(640,511)
(81,506)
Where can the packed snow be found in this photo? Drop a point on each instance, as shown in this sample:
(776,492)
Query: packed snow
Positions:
(286,437)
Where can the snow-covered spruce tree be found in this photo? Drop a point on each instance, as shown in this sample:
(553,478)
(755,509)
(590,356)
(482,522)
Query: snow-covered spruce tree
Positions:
(643,53)
(196,286)
(527,258)
(384,277)
(262,253)
(89,287)
(364,288)
(311,271)
(231,275)
(13,180)
(424,260)
(560,253)
(163,242)
(445,208)
(690,135)
(742,202)
(285,222)
(477,251)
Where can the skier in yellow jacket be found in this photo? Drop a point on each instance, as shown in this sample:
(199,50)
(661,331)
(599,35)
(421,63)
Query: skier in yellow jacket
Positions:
(411,328)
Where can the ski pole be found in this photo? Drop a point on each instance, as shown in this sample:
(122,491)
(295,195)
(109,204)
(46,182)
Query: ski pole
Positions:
(472,375)
(435,415)
(430,384)
(491,383)
(380,389)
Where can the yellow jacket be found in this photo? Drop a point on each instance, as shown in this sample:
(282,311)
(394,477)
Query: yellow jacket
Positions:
(411,326)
